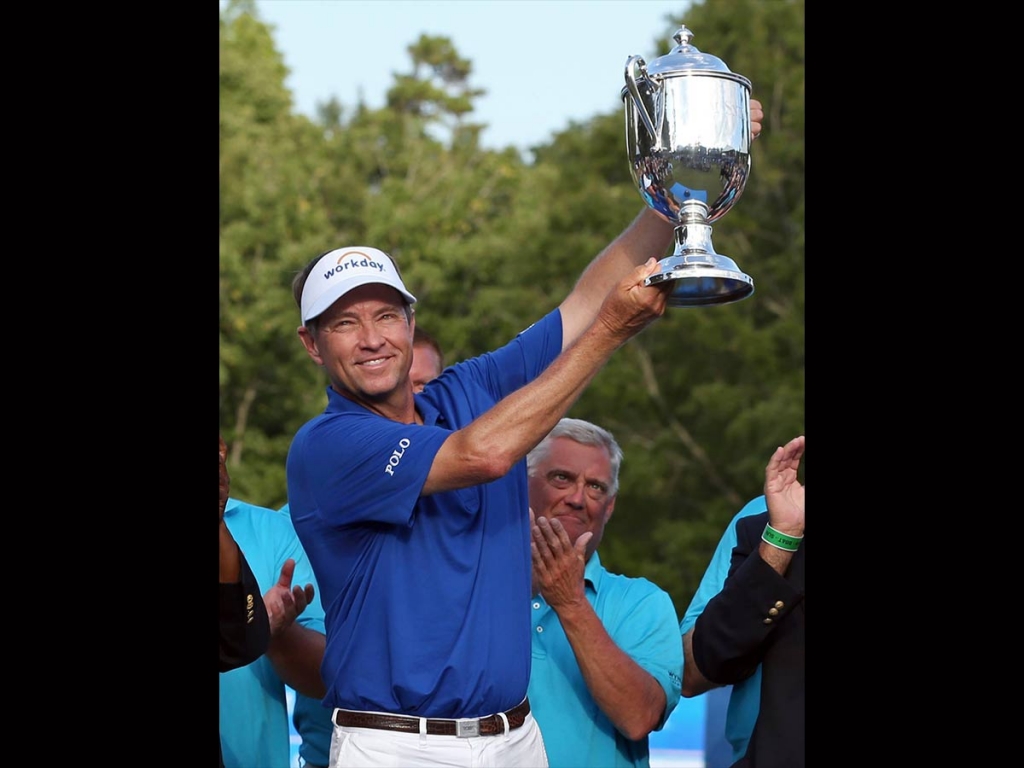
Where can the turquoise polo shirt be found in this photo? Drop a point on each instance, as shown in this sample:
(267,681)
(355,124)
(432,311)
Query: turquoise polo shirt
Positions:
(312,720)
(641,618)
(745,698)
(253,708)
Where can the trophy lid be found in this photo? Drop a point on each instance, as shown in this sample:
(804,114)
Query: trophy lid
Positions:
(685,58)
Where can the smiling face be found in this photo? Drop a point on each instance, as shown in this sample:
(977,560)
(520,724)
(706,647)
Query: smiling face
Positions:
(364,343)
(573,483)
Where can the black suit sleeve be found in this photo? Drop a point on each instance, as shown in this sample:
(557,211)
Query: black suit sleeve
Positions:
(244,625)
(738,624)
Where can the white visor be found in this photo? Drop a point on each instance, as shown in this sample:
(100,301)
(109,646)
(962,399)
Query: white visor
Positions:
(341,270)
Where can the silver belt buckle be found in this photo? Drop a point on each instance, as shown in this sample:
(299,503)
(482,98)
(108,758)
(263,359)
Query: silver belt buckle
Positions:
(466,728)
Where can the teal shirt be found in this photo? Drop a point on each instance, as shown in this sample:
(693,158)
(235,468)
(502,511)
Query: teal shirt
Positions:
(641,618)
(253,706)
(311,719)
(745,698)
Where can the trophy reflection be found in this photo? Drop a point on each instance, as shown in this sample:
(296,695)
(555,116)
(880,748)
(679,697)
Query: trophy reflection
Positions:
(688,141)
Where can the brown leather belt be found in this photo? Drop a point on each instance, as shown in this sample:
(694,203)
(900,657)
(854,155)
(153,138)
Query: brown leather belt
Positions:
(484,726)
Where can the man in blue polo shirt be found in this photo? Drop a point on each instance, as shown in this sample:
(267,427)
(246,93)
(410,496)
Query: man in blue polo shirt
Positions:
(606,651)
(413,508)
(744,698)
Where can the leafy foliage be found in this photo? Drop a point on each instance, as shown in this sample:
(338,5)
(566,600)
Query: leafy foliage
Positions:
(489,242)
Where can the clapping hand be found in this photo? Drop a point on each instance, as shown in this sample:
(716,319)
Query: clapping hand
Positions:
(783,491)
(285,602)
(558,564)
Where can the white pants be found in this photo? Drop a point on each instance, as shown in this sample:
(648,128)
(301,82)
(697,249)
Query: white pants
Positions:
(374,748)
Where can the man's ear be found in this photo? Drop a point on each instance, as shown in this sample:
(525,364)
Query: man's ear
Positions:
(309,342)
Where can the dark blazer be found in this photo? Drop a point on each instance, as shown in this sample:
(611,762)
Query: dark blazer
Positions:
(758,618)
(244,624)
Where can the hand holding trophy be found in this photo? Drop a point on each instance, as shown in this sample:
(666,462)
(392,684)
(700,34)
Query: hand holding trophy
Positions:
(688,139)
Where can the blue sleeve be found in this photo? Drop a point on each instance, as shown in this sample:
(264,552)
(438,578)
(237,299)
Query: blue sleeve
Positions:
(659,651)
(718,569)
(519,362)
(391,461)
(644,624)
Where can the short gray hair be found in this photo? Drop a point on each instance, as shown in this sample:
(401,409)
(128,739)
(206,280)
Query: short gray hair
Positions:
(583,432)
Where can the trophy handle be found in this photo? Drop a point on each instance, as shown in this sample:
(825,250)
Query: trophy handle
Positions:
(637,63)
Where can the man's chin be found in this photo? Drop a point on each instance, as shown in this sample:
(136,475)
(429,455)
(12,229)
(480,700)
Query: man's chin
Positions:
(376,389)
(380,390)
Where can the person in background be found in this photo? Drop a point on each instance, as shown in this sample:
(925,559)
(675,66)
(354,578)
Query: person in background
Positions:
(244,623)
(741,710)
(253,705)
(311,719)
(427,360)
(759,616)
(606,652)
(313,724)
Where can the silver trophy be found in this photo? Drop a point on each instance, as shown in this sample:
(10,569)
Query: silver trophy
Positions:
(688,139)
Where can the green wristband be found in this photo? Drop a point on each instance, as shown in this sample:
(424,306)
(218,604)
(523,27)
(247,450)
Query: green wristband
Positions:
(780,540)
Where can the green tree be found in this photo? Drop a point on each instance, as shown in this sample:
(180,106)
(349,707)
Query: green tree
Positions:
(270,210)
(489,242)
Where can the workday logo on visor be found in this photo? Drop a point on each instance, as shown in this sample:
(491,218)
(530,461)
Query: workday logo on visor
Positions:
(341,270)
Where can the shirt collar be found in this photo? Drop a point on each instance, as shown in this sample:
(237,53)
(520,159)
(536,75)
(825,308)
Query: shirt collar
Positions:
(594,572)
(337,403)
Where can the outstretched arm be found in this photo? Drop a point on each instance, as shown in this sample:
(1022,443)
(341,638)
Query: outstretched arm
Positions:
(648,236)
(488,447)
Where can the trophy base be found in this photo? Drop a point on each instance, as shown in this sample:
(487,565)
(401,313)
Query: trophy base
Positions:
(701,285)
(702,277)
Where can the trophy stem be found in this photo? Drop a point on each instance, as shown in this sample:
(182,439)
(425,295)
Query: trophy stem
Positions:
(702,277)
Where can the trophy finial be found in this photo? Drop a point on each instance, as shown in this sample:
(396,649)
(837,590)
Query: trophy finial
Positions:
(683,35)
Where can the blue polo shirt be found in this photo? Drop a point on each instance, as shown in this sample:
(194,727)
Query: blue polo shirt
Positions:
(745,698)
(641,618)
(253,706)
(426,597)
